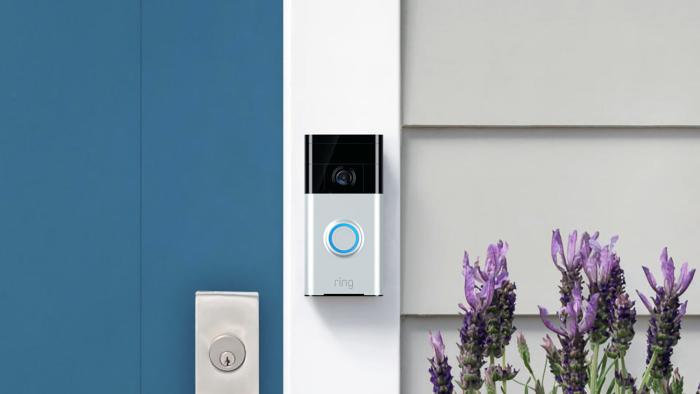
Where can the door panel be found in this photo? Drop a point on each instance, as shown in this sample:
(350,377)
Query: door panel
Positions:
(212,175)
(140,160)
(69,197)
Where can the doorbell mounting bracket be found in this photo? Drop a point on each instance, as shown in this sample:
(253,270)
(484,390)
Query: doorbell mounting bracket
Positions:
(343,187)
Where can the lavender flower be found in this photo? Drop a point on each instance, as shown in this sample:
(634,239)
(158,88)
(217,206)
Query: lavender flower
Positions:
(624,317)
(473,331)
(524,352)
(570,262)
(666,314)
(575,323)
(499,315)
(478,297)
(496,266)
(598,266)
(675,386)
(497,373)
(625,381)
(553,358)
(440,370)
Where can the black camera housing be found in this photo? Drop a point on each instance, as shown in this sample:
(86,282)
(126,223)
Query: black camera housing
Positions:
(344,164)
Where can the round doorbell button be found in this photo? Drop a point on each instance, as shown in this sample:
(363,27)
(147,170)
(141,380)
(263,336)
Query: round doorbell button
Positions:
(343,237)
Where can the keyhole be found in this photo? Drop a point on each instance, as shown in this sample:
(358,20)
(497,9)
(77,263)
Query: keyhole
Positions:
(227,359)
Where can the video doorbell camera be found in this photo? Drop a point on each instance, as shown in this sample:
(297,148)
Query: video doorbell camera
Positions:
(343,215)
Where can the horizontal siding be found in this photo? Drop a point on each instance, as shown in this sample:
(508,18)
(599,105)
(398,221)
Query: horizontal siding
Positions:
(465,188)
(551,62)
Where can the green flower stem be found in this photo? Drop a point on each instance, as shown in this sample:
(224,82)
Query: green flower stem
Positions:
(492,385)
(593,375)
(618,388)
(647,372)
(503,363)
(624,369)
(523,384)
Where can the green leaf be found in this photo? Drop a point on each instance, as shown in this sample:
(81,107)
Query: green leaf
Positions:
(611,387)
(539,388)
(527,386)
(601,380)
(603,363)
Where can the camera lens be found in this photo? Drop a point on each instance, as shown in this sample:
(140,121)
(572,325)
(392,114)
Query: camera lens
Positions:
(344,176)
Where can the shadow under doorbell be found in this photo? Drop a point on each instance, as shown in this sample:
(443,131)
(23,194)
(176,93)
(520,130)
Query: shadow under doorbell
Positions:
(343,215)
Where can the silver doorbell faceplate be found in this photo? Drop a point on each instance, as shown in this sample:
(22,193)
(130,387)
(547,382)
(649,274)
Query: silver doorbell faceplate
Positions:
(343,215)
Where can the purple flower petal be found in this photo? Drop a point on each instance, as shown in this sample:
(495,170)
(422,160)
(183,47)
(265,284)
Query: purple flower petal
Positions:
(590,315)
(664,255)
(492,255)
(576,299)
(438,345)
(590,268)
(465,260)
(682,310)
(614,240)
(504,247)
(469,288)
(571,249)
(545,320)
(685,279)
(557,248)
(646,302)
(571,319)
(487,293)
(480,275)
(669,271)
(650,279)
(548,344)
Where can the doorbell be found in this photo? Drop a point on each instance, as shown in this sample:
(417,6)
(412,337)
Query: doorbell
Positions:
(343,215)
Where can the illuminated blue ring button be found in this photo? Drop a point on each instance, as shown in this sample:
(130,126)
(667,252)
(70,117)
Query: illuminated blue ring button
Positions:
(357,242)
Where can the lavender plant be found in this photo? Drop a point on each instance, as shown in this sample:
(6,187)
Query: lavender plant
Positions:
(473,335)
(666,311)
(440,369)
(570,261)
(576,320)
(597,265)
(603,318)
(499,314)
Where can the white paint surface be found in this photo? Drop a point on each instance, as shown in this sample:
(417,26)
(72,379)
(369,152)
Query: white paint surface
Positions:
(416,349)
(341,75)
(466,188)
(551,62)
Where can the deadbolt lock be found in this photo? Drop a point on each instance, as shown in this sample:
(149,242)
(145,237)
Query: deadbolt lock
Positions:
(227,353)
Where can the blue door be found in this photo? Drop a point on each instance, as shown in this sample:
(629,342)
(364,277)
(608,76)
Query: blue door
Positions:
(140,160)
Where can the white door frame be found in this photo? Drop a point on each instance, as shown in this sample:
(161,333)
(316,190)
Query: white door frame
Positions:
(341,75)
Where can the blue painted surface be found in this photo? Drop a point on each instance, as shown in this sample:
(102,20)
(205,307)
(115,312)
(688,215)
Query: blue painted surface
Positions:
(140,160)
(69,317)
(212,175)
